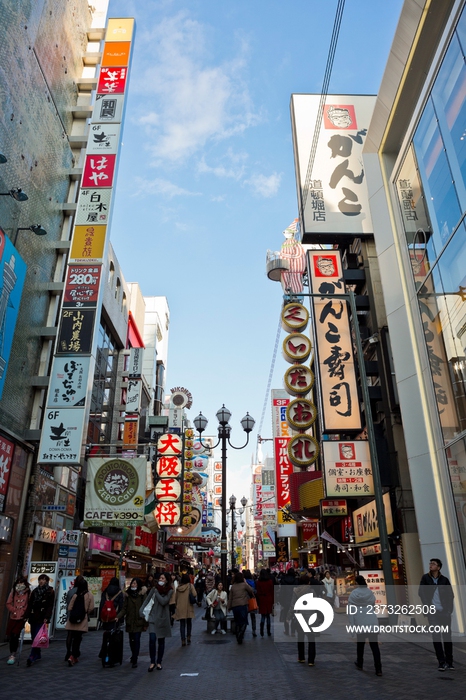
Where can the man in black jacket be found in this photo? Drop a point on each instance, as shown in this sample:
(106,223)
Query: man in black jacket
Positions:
(39,611)
(435,590)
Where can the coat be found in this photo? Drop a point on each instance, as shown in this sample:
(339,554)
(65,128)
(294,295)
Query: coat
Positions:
(118,602)
(239,594)
(130,611)
(362,599)
(184,609)
(222,601)
(329,585)
(427,588)
(17,604)
(82,626)
(159,618)
(40,608)
(265,597)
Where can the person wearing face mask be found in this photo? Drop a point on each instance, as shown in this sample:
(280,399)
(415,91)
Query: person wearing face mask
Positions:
(39,612)
(134,598)
(159,619)
(17,605)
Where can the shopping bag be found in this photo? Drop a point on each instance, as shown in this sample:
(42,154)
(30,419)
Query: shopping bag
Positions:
(252,605)
(146,610)
(41,640)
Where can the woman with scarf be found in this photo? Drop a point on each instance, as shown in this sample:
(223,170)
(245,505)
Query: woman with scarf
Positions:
(80,607)
(39,612)
(159,619)
(238,600)
(184,609)
(217,602)
(17,605)
(134,623)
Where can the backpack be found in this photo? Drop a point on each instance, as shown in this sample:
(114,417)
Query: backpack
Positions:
(108,612)
(78,611)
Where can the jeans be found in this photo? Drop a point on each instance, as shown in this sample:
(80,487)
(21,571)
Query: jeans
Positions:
(444,652)
(160,648)
(35,651)
(219,618)
(265,619)
(75,643)
(185,626)
(134,645)
(374,645)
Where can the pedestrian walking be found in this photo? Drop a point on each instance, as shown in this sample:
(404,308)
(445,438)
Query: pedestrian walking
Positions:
(436,591)
(150,581)
(265,599)
(289,579)
(184,612)
(363,600)
(39,612)
(134,623)
(80,607)
(111,603)
(238,599)
(17,605)
(217,601)
(302,589)
(172,604)
(248,577)
(159,619)
(199,585)
(69,595)
(329,586)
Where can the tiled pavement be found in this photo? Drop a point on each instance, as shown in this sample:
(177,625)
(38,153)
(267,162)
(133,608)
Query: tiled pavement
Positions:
(227,671)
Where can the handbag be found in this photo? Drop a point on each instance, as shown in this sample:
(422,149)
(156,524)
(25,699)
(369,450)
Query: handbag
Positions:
(252,605)
(192,598)
(41,640)
(146,610)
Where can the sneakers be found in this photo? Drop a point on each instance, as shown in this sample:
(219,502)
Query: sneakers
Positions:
(311,663)
(214,632)
(358,666)
(72,661)
(11,660)
(442,666)
(301,661)
(222,632)
(449,666)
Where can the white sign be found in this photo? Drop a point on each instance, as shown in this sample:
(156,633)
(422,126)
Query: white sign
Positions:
(45,534)
(280,400)
(103,138)
(135,363)
(376,583)
(61,437)
(65,585)
(108,109)
(115,492)
(93,207)
(69,537)
(333,197)
(348,468)
(334,347)
(133,396)
(68,382)
(366,521)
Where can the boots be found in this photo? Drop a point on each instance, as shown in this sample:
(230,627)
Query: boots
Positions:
(253,623)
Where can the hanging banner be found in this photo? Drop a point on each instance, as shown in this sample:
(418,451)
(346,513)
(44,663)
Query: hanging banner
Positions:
(115,492)
(93,207)
(61,436)
(82,285)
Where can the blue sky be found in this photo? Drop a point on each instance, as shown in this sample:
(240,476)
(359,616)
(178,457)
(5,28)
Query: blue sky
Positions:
(206,181)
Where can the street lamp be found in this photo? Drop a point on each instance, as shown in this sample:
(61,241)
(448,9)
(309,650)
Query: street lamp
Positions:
(224,430)
(35,228)
(17,194)
(233,524)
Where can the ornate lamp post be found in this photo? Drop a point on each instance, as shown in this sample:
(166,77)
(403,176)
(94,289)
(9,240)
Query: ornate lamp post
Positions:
(224,430)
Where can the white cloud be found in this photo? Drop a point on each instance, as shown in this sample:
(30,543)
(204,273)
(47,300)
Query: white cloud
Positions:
(189,100)
(265,186)
(161,187)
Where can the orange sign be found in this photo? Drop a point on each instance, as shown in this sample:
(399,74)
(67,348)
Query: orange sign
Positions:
(130,435)
(116,53)
(88,244)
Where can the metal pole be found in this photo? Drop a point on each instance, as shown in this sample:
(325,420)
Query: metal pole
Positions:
(378,493)
(232,537)
(223,543)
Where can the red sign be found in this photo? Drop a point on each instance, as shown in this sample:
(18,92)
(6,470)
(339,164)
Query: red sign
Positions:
(6,455)
(310,531)
(82,285)
(283,469)
(112,81)
(98,171)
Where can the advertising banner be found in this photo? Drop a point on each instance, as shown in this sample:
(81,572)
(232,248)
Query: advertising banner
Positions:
(12,276)
(7,449)
(61,436)
(93,207)
(88,244)
(115,492)
(82,285)
(366,521)
(67,387)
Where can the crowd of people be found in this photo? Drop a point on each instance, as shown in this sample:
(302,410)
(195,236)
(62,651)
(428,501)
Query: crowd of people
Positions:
(163,599)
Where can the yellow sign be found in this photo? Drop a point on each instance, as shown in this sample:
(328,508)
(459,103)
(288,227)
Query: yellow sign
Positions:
(120,29)
(88,244)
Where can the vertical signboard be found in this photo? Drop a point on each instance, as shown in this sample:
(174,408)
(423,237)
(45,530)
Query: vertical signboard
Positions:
(12,276)
(333,195)
(64,423)
(337,375)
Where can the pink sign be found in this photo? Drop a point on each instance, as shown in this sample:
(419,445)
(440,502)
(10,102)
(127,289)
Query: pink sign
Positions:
(98,170)
(103,544)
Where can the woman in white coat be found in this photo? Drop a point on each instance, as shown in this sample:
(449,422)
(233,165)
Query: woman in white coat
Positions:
(217,602)
(329,586)
(360,606)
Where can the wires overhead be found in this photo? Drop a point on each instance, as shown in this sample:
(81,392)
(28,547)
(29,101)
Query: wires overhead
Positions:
(325,84)
(267,391)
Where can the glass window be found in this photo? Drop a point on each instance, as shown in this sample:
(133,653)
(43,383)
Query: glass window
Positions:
(456,458)
(436,177)
(449,97)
